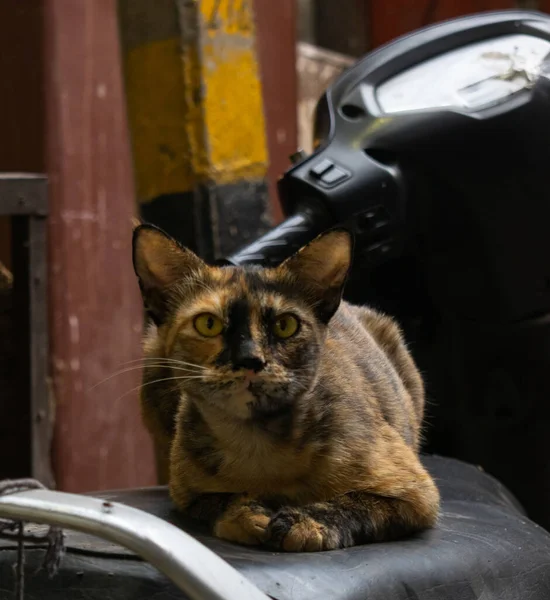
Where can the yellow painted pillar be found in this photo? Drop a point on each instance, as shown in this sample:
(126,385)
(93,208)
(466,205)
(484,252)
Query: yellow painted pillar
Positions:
(196,118)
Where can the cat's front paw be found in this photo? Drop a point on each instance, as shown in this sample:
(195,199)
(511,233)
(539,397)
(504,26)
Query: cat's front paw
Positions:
(295,530)
(243,523)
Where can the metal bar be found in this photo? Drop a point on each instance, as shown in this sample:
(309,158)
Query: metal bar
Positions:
(195,569)
(31,412)
(41,416)
(22,194)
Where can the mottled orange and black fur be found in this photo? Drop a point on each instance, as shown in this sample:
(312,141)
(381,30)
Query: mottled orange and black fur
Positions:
(304,443)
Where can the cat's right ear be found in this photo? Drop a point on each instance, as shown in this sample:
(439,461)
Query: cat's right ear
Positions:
(159,263)
(321,267)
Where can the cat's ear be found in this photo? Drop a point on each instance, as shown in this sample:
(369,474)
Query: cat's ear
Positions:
(322,267)
(159,262)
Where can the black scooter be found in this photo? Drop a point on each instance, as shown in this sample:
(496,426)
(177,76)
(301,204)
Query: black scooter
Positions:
(435,150)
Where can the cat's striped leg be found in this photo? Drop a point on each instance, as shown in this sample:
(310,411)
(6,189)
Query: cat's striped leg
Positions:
(237,518)
(353,519)
(398,498)
(244,521)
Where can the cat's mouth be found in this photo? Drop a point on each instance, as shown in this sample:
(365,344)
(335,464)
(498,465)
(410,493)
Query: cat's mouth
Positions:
(248,378)
(262,388)
(254,386)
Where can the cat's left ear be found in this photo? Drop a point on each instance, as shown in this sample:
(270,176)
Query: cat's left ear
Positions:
(322,268)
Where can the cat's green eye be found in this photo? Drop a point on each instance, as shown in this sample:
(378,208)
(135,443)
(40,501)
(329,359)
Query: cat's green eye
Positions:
(285,326)
(208,325)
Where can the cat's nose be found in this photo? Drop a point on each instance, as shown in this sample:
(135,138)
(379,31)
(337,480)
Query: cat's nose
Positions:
(247,356)
(249,363)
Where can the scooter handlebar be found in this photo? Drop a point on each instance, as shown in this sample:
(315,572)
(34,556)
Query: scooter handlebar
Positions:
(282,241)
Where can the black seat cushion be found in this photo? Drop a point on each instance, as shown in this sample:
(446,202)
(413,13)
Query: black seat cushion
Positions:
(484,547)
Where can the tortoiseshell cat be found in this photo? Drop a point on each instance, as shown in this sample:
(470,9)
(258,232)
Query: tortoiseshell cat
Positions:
(290,417)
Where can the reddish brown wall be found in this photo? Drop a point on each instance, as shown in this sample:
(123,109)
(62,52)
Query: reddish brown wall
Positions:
(21,117)
(95,310)
(390,19)
(276,40)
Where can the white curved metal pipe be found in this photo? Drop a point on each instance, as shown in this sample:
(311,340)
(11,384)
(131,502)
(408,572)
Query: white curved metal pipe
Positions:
(193,568)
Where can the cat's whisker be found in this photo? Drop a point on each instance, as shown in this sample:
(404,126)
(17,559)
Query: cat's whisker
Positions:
(139,368)
(142,385)
(307,384)
(158,358)
(174,367)
(161,359)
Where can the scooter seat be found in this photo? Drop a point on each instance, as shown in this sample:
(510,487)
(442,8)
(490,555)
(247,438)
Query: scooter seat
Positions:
(483,547)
